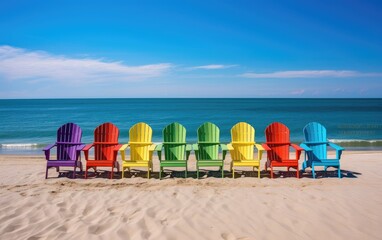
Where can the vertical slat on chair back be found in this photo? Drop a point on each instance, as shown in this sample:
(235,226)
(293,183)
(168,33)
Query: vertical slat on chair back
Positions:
(140,136)
(208,141)
(278,139)
(174,133)
(104,135)
(242,133)
(315,133)
(68,133)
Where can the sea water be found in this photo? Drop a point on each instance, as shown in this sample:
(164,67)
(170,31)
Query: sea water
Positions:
(27,125)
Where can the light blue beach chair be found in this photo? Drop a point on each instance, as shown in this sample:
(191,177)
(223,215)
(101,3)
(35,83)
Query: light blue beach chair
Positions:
(315,147)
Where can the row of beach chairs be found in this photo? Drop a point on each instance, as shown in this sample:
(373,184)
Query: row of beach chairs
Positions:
(174,151)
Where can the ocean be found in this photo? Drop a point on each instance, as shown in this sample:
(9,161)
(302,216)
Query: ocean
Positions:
(28,125)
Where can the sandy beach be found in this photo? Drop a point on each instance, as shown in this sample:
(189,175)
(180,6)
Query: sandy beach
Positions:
(178,208)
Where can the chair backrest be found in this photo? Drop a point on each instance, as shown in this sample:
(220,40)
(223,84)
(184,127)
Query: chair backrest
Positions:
(68,137)
(105,139)
(208,141)
(174,141)
(278,139)
(140,140)
(243,141)
(315,138)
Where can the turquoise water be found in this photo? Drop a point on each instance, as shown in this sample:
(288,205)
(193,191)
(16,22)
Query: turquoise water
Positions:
(27,125)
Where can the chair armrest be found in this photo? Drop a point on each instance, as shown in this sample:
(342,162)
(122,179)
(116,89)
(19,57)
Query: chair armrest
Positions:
(188,150)
(298,150)
(296,147)
(48,147)
(47,150)
(80,147)
(158,148)
(152,148)
(195,146)
(122,151)
(338,149)
(86,150)
(259,147)
(230,147)
(260,151)
(117,147)
(87,147)
(123,148)
(266,147)
(305,147)
(224,147)
(224,150)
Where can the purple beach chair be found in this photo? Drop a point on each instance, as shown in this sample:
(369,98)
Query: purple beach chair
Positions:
(69,148)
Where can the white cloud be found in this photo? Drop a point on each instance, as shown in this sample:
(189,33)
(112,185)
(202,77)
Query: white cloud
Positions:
(213,66)
(298,92)
(17,63)
(310,74)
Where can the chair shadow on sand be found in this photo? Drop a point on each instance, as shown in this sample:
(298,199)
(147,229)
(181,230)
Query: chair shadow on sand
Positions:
(208,173)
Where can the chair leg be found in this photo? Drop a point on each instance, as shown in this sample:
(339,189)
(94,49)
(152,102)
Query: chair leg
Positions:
(86,172)
(148,172)
(123,172)
(74,172)
(46,173)
(185,173)
(197,172)
(314,174)
(111,173)
(222,172)
(297,172)
(57,169)
(258,172)
(303,166)
(339,172)
(271,171)
(233,173)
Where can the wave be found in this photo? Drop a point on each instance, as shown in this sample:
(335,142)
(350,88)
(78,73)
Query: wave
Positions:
(21,145)
(358,142)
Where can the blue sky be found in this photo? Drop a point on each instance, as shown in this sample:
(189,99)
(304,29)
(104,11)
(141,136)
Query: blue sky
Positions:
(65,49)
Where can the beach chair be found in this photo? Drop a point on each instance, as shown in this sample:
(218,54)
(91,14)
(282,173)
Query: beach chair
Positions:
(207,148)
(278,146)
(105,149)
(242,148)
(315,147)
(141,148)
(69,148)
(176,150)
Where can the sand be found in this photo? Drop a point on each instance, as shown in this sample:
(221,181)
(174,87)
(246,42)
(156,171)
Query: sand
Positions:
(176,208)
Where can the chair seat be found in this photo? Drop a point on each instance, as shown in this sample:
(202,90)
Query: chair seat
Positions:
(63,163)
(326,162)
(173,163)
(99,163)
(210,163)
(284,163)
(135,163)
(247,163)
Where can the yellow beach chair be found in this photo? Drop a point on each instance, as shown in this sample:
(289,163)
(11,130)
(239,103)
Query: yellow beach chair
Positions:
(242,148)
(141,148)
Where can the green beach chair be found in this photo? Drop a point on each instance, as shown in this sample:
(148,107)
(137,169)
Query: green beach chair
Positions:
(207,148)
(176,150)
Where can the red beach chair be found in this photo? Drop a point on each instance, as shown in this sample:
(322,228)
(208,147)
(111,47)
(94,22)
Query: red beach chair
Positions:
(278,146)
(105,148)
